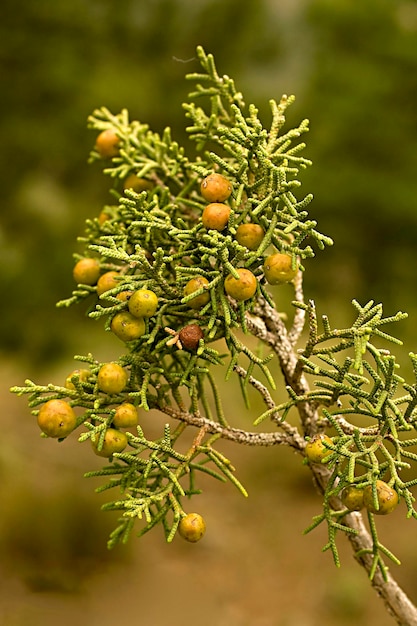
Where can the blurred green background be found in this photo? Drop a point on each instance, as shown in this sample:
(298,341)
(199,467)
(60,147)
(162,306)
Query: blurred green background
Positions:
(353,69)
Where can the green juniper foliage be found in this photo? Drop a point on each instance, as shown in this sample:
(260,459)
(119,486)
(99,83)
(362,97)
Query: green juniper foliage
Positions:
(152,240)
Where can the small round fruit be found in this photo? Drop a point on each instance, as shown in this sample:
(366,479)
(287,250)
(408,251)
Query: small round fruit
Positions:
(86,271)
(241,288)
(82,376)
(107,144)
(137,184)
(193,285)
(127,327)
(112,378)
(126,415)
(387,498)
(124,296)
(56,418)
(352,498)
(215,188)
(107,281)
(216,216)
(250,235)
(103,217)
(192,527)
(315,449)
(114,441)
(190,336)
(143,303)
(278,269)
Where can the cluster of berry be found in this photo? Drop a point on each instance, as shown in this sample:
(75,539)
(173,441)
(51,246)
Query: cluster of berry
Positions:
(137,311)
(378,498)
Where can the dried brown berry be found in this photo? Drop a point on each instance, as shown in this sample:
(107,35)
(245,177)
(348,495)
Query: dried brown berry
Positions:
(190,336)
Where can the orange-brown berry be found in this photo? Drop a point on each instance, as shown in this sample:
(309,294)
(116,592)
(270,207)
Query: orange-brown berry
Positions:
(114,441)
(107,144)
(215,216)
(386,496)
(86,271)
(278,269)
(192,527)
(215,188)
(241,288)
(127,327)
(316,449)
(112,378)
(107,281)
(137,184)
(193,285)
(56,418)
(126,415)
(352,498)
(250,235)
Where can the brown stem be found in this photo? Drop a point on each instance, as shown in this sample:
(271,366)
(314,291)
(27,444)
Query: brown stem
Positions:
(290,437)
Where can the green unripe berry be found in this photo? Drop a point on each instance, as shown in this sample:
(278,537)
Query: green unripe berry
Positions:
(56,418)
(387,498)
(278,269)
(192,527)
(250,235)
(114,441)
(193,285)
(143,303)
(241,288)
(112,378)
(216,216)
(215,188)
(126,415)
(127,327)
(86,271)
(316,450)
(352,498)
